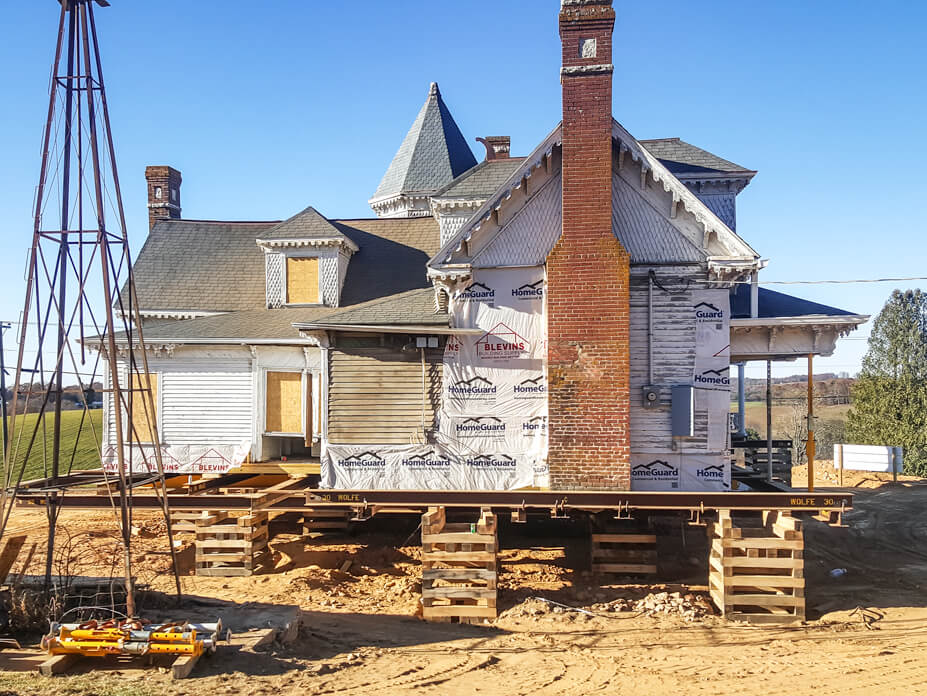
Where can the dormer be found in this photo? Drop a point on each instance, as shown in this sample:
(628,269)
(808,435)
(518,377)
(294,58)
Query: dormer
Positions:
(305,259)
(714,180)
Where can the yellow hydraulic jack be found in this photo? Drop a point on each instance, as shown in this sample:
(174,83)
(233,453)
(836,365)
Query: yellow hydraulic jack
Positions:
(131,637)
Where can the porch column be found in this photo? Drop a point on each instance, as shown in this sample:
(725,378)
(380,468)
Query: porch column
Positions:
(741,404)
(769,454)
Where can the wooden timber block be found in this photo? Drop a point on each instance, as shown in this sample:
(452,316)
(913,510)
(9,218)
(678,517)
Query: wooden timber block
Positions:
(11,548)
(58,664)
(183,665)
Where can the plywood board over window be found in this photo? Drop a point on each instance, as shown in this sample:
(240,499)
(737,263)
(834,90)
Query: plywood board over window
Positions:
(302,280)
(143,421)
(284,403)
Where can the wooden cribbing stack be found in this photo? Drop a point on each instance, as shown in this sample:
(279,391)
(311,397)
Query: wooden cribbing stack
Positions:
(231,546)
(325,521)
(756,571)
(626,553)
(458,568)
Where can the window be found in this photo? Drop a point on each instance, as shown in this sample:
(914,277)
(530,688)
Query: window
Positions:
(143,421)
(157,192)
(284,400)
(302,280)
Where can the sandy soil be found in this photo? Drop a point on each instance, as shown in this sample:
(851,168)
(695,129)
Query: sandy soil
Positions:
(361,634)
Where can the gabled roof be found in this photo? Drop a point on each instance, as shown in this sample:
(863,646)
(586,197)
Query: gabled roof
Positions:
(433,153)
(480,182)
(451,261)
(193,265)
(682,158)
(306,224)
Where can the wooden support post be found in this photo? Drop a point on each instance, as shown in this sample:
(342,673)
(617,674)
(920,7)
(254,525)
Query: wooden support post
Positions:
(769,456)
(809,446)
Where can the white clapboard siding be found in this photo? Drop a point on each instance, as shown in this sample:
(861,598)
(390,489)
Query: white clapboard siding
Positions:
(200,402)
(375,395)
(673,356)
(206,404)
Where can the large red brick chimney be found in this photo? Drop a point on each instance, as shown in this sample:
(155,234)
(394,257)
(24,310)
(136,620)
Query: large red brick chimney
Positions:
(588,272)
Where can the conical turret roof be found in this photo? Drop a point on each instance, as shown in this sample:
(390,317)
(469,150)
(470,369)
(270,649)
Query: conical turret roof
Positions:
(432,155)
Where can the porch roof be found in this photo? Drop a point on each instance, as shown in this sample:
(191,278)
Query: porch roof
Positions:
(786,327)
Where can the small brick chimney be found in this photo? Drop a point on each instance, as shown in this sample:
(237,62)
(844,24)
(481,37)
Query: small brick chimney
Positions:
(497,146)
(588,272)
(163,194)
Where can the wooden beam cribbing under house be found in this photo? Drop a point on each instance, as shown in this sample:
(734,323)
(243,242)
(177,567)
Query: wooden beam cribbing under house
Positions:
(459,571)
(756,568)
(231,546)
(625,553)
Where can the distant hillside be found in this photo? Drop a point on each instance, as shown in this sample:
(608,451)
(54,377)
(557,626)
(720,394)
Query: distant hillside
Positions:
(829,389)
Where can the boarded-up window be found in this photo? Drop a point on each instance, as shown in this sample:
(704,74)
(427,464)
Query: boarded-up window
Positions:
(302,280)
(142,426)
(284,402)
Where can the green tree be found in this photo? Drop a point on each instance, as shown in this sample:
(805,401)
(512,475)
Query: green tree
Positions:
(890,396)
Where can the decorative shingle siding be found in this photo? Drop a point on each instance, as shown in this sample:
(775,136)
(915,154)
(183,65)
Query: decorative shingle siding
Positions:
(274,263)
(723,205)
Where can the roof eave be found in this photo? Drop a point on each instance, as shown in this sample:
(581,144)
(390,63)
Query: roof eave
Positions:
(388,328)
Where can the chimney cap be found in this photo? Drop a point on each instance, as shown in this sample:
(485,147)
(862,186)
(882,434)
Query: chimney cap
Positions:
(497,147)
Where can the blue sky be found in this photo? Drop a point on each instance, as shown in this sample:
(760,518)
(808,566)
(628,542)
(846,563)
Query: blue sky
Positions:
(269,107)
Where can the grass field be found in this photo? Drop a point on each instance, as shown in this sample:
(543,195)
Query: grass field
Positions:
(782,414)
(86,456)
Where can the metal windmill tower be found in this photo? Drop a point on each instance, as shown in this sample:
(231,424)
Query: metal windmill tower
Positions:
(80,301)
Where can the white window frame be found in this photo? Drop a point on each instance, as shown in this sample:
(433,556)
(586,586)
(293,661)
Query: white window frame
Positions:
(302,404)
(308,254)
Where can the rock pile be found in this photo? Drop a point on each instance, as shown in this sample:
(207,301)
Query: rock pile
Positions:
(689,606)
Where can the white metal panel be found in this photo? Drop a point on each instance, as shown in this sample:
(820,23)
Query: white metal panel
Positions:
(868,457)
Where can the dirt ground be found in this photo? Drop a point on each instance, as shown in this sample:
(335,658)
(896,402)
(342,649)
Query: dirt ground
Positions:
(361,634)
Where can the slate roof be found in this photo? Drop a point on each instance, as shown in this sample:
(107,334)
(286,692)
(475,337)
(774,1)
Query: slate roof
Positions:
(778,304)
(256,324)
(480,182)
(433,153)
(413,308)
(201,265)
(193,265)
(307,224)
(681,157)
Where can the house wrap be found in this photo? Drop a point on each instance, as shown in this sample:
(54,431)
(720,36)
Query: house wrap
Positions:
(565,319)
